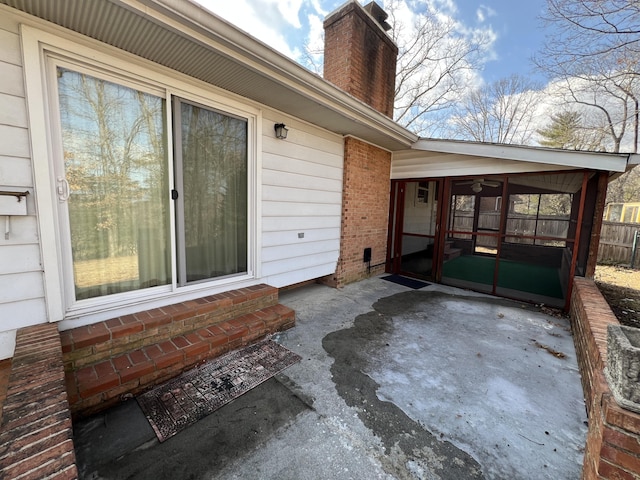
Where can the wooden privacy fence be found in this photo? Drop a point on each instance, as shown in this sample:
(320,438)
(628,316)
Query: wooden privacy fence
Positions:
(619,243)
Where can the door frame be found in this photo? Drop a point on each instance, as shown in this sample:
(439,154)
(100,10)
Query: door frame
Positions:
(397,204)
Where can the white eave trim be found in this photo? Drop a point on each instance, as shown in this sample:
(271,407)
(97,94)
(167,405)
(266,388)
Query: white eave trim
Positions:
(612,162)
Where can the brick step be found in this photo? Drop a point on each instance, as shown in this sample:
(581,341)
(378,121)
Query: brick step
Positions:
(451,253)
(101,341)
(100,383)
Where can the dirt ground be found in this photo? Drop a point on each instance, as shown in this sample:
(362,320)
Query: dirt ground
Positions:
(620,286)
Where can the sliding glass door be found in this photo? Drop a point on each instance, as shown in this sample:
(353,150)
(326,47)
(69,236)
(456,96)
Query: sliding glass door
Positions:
(113,181)
(211,189)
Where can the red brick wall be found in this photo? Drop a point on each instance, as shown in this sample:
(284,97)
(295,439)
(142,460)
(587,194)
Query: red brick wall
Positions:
(365,211)
(612,450)
(360,58)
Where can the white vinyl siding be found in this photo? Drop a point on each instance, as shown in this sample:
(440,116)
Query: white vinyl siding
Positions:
(21,283)
(301,194)
(296,189)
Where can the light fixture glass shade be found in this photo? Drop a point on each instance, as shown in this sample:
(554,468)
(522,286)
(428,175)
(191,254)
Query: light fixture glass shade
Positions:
(281,130)
(476,187)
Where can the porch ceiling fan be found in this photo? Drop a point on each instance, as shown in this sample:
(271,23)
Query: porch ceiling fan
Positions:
(478,183)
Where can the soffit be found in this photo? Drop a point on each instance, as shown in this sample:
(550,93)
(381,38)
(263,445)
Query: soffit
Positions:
(559,182)
(565,182)
(185,37)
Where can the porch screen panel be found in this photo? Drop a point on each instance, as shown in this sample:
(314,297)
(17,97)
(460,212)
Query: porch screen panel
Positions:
(488,222)
(115,165)
(461,215)
(540,219)
(214,190)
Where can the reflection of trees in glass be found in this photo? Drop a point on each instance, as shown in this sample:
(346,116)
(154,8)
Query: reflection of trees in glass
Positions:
(115,162)
(464,203)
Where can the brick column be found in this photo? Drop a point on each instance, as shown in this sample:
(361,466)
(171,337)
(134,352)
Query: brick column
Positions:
(365,211)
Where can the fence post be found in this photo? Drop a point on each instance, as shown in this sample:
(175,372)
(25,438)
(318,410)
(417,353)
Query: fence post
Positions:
(634,248)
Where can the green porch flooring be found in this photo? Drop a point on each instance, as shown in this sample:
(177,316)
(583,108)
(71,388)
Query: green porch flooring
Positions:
(524,277)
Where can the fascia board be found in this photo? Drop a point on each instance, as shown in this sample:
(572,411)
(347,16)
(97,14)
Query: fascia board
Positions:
(611,162)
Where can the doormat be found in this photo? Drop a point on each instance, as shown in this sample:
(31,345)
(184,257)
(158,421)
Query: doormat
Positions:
(194,394)
(407,282)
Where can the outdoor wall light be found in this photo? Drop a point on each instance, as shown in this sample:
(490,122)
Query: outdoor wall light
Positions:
(281,130)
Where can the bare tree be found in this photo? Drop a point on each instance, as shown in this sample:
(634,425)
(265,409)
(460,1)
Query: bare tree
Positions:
(593,52)
(584,29)
(625,188)
(436,64)
(500,112)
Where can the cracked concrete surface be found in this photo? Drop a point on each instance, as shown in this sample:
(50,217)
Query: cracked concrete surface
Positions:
(437,383)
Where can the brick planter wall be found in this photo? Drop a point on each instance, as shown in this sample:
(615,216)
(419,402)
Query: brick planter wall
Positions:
(612,449)
(36,433)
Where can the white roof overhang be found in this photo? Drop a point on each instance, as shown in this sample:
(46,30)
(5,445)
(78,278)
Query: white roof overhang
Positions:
(442,158)
(187,38)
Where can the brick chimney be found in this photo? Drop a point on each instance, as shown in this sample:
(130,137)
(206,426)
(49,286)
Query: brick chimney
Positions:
(359,56)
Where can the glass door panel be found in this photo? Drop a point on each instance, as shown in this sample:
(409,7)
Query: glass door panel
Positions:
(212,191)
(112,186)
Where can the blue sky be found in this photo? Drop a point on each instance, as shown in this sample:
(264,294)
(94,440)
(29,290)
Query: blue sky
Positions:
(289,25)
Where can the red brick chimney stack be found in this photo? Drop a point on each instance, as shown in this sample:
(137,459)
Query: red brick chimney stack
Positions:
(359,56)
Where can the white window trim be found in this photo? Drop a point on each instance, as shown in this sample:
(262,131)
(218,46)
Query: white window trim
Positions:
(38,47)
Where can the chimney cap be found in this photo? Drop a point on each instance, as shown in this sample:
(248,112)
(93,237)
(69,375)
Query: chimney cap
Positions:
(378,14)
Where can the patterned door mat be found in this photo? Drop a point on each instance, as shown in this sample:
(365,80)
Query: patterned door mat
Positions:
(193,395)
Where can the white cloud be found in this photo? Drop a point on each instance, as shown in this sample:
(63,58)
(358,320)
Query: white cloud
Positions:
(312,58)
(266,20)
(448,7)
(483,12)
(289,9)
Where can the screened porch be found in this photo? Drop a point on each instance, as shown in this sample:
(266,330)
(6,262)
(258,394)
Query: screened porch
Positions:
(521,236)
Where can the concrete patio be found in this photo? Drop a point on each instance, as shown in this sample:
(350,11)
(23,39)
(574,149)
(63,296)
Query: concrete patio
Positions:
(436,383)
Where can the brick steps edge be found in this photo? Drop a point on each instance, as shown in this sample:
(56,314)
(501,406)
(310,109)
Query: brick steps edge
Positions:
(104,383)
(86,345)
(36,434)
